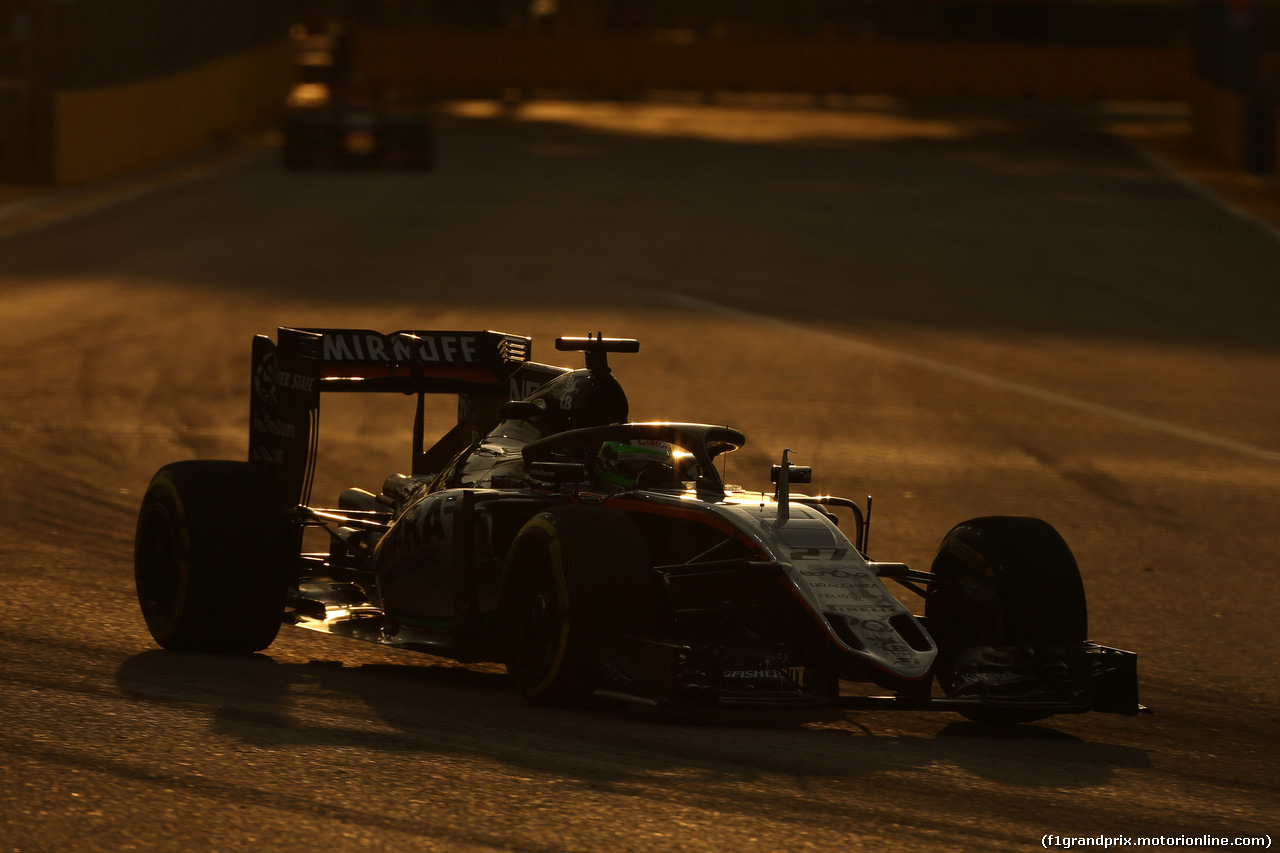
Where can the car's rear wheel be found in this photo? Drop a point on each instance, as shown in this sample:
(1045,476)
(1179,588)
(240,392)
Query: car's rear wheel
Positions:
(211,555)
(571,572)
(1003,581)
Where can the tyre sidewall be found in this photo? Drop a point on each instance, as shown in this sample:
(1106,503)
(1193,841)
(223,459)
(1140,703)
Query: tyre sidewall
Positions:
(1003,581)
(221,586)
(582,551)
(162,579)
(536,566)
(1023,584)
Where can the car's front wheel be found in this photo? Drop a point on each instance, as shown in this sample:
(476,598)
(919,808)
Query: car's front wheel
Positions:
(1001,583)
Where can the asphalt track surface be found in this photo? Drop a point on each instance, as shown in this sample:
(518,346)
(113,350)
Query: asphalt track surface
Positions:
(961,313)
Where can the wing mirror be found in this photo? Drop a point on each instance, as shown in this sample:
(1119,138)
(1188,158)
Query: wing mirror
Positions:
(801,474)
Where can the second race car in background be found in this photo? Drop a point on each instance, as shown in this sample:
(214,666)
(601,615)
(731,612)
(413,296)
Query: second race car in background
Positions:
(354,127)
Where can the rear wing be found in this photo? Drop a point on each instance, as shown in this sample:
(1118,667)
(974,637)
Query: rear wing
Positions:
(484,369)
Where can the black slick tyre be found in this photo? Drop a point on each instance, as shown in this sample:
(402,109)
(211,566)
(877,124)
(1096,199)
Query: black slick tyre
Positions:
(572,572)
(211,556)
(1003,581)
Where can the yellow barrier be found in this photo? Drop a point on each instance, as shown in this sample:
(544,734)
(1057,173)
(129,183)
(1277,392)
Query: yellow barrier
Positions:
(434,61)
(108,130)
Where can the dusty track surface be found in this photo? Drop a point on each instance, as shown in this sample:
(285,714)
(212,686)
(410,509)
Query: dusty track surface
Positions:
(960,314)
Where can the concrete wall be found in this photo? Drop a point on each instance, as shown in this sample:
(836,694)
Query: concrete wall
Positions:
(1218,123)
(90,88)
(106,130)
(476,62)
(1240,129)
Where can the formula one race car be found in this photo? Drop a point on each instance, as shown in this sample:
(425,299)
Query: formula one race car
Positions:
(353,128)
(597,558)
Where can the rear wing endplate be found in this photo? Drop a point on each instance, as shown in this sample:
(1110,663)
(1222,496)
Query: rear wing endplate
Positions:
(485,369)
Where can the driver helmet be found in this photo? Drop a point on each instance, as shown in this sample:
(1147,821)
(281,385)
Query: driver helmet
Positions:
(623,463)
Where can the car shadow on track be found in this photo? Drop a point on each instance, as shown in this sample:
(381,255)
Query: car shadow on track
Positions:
(443,708)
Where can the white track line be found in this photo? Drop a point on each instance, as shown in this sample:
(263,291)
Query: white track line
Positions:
(1170,171)
(111,192)
(76,211)
(849,343)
